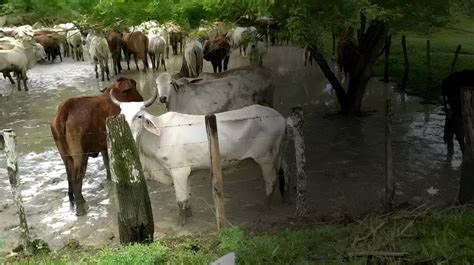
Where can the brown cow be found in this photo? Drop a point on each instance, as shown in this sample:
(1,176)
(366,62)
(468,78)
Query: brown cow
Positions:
(177,38)
(50,43)
(215,51)
(79,132)
(136,43)
(114,39)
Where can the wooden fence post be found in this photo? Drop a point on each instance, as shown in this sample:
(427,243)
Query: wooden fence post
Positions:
(428,66)
(466,186)
(216,169)
(386,72)
(456,53)
(298,124)
(14,178)
(389,177)
(406,64)
(135,217)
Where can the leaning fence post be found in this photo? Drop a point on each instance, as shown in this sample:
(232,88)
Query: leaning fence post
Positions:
(298,124)
(456,53)
(216,169)
(14,178)
(466,185)
(135,217)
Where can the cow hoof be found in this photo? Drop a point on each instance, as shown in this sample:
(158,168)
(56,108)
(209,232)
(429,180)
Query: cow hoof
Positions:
(80,210)
(188,212)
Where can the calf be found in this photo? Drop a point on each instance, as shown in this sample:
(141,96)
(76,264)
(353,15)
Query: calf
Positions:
(136,43)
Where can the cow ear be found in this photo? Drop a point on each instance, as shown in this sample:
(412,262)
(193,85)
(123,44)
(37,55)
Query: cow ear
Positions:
(150,126)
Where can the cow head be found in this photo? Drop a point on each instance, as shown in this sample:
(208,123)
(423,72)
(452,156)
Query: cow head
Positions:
(164,83)
(133,110)
(125,90)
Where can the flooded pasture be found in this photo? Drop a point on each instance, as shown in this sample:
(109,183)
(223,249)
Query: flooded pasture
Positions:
(345,156)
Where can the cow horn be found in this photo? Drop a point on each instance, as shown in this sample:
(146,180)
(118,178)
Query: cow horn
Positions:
(151,100)
(114,100)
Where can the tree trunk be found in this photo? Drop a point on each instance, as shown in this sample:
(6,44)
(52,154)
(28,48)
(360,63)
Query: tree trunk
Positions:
(466,185)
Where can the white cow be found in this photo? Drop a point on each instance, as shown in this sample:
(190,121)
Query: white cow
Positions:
(240,37)
(74,38)
(213,93)
(193,56)
(18,56)
(99,54)
(173,145)
(157,50)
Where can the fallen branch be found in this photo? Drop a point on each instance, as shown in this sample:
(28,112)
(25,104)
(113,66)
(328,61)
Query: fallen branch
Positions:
(376,254)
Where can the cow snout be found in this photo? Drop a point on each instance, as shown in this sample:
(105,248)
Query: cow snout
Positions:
(163,99)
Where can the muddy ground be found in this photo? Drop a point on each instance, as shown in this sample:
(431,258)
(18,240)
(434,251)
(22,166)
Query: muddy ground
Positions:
(345,157)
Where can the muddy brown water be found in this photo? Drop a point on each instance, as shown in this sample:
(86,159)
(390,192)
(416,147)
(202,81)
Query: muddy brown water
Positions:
(345,157)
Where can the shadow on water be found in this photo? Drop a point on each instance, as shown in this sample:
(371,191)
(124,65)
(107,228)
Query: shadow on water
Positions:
(345,155)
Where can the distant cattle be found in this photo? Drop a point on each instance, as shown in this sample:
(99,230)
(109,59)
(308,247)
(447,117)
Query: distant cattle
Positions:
(79,132)
(213,93)
(99,54)
(173,145)
(74,38)
(114,39)
(51,45)
(136,43)
(217,51)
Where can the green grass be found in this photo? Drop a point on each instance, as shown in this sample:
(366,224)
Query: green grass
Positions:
(443,45)
(434,235)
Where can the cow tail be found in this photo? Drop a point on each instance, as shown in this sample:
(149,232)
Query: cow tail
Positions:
(283,172)
(58,129)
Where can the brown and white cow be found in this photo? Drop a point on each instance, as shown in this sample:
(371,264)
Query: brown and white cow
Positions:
(79,132)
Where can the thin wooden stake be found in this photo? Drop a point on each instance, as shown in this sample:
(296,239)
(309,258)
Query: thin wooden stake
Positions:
(456,53)
(216,169)
(14,178)
(389,177)
(386,73)
(428,66)
(135,216)
(298,124)
(406,64)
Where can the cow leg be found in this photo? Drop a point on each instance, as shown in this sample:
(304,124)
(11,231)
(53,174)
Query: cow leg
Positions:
(167,51)
(95,70)
(459,132)
(219,66)
(145,62)
(23,75)
(449,136)
(105,157)
(135,58)
(7,74)
(180,178)
(163,62)
(152,58)
(226,62)
(214,66)
(107,70)
(80,165)
(60,56)
(18,78)
(269,176)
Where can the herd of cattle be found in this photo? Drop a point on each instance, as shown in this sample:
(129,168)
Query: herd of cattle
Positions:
(22,47)
(242,99)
